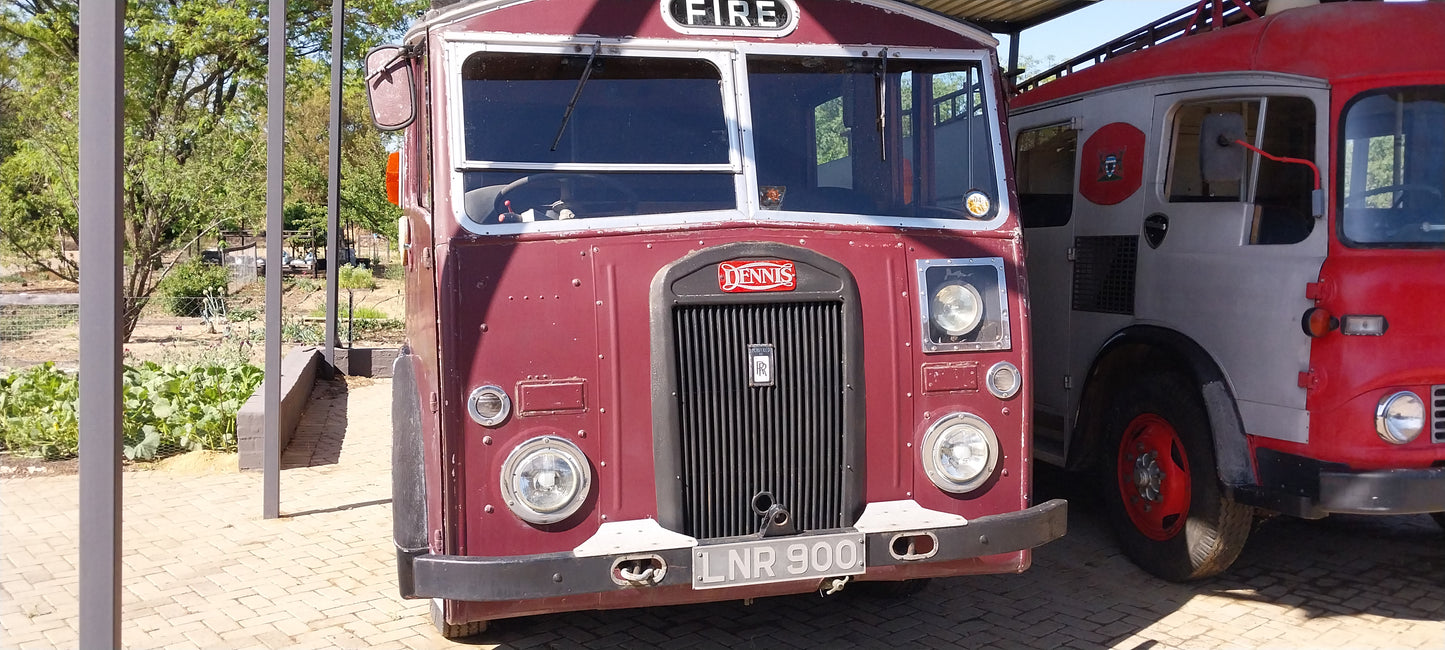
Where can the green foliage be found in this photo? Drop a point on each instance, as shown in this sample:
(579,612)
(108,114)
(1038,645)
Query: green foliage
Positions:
(184,408)
(359,312)
(189,282)
(355,277)
(194,151)
(309,219)
(168,409)
(38,412)
(393,272)
(303,285)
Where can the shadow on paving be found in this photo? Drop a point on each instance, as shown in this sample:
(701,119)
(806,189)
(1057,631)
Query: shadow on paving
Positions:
(322,429)
(1080,592)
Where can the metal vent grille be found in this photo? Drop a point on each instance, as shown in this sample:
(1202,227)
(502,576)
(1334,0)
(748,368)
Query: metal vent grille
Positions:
(1437,413)
(1104,273)
(739,440)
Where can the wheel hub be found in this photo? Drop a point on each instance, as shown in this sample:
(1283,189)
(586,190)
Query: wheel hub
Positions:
(1148,476)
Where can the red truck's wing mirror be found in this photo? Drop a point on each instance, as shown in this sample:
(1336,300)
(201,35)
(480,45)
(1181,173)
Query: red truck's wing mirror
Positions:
(389,87)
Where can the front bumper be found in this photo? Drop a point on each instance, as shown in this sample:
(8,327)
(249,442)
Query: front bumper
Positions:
(549,575)
(1308,488)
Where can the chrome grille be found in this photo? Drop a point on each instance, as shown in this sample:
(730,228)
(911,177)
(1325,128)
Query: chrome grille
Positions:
(739,440)
(1437,413)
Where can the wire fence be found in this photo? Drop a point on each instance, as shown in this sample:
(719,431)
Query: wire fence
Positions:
(190,362)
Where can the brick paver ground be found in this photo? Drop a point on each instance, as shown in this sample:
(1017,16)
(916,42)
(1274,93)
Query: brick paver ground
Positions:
(202,569)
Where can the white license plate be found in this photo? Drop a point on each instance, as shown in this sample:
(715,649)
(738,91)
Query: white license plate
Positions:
(778,559)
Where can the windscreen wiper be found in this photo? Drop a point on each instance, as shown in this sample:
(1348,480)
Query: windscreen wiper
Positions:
(586,73)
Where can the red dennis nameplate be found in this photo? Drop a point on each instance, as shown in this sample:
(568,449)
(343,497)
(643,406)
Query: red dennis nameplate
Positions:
(757,275)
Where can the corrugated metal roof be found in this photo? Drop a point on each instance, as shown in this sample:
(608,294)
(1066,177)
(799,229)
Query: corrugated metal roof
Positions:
(1004,16)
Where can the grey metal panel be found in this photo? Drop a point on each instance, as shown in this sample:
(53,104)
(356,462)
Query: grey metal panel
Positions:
(1241,302)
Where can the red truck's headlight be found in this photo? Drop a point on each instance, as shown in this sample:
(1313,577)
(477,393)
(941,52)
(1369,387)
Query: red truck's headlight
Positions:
(545,480)
(960,452)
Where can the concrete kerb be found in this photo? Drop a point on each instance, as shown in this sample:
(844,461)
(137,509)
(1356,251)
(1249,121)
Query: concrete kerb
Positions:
(298,374)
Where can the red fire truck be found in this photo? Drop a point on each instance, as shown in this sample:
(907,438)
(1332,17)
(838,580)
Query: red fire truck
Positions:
(1236,243)
(706,300)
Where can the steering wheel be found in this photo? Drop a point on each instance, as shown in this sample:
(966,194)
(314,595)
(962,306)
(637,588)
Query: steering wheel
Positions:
(1403,189)
(548,195)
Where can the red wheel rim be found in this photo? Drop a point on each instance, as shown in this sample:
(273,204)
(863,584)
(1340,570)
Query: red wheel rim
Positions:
(1153,477)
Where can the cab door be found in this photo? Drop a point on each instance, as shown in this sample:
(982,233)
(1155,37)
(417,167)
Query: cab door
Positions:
(1045,161)
(1226,262)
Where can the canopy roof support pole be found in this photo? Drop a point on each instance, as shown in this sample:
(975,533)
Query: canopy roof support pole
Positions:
(275,194)
(333,184)
(102,91)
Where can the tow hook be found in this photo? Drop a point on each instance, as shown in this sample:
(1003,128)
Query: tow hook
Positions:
(833,585)
(640,571)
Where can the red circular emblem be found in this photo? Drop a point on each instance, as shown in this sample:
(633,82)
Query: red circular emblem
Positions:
(1112,168)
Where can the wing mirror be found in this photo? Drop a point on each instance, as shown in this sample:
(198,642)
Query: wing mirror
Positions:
(1220,159)
(390,88)
(1222,149)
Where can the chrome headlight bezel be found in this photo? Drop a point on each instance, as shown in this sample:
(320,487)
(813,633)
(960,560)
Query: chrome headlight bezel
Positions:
(522,506)
(482,414)
(959,423)
(981,276)
(1393,424)
(994,371)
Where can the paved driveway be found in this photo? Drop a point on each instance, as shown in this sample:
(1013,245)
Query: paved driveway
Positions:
(202,569)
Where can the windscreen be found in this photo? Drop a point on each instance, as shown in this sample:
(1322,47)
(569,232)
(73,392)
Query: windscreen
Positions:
(592,112)
(873,136)
(1394,163)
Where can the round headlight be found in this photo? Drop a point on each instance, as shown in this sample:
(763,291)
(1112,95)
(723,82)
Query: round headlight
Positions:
(1004,380)
(960,452)
(545,480)
(957,308)
(489,405)
(1400,417)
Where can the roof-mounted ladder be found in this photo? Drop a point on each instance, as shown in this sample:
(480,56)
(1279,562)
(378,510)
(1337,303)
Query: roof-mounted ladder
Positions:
(1221,14)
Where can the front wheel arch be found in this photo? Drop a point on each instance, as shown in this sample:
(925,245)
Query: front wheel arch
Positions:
(1141,349)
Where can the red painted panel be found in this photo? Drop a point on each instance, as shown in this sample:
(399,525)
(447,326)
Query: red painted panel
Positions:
(583,312)
(1331,41)
(950,377)
(546,397)
(1113,164)
(820,21)
(1353,372)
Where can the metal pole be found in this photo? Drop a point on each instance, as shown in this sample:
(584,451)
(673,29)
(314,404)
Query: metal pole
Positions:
(102,91)
(275,160)
(333,181)
(1013,58)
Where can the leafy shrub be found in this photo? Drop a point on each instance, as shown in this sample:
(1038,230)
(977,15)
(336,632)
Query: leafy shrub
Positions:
(355,277)
(38,412)
(303,285)
(166,409)
(341,313)
(184,287)
(393,272)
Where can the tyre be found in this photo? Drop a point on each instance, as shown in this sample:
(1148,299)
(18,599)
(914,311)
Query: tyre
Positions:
(454,630)
(1161,488)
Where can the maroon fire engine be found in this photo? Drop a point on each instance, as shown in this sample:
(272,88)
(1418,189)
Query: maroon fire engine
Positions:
(706,300)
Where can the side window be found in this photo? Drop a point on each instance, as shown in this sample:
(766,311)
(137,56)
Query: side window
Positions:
(1045,174)
(1282,211)
(1186,179)
(834,144)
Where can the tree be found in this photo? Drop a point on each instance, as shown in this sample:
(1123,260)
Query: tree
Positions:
(194,114)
